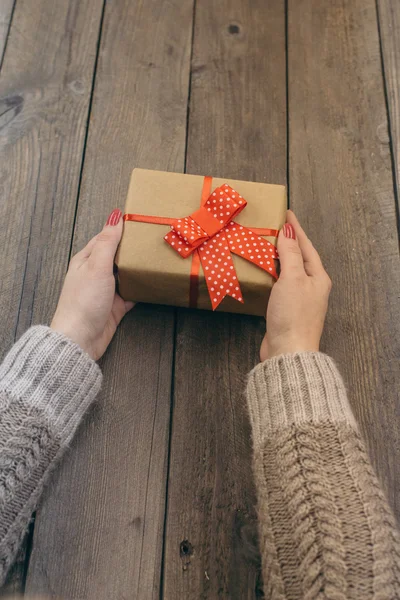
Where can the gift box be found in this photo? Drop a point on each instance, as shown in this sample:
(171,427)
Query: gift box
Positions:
(197,241)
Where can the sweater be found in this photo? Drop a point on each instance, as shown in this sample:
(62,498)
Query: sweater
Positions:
(46,385)
(326,530)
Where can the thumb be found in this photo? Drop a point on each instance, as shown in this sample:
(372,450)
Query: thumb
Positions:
(120,308)
(107,241)
(290,255)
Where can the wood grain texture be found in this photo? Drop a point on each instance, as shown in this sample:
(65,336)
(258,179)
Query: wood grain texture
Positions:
(45,90)
(6,10)
(342,189)
(106,507)
(389,22)
(237,128)
(98,532)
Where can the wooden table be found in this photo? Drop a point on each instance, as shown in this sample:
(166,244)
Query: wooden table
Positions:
(155,496)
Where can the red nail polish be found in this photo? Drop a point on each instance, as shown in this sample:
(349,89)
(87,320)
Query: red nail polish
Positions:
(114,217)
(289,232)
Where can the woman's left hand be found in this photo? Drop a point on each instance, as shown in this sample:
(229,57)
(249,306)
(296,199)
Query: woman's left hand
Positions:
(89,310)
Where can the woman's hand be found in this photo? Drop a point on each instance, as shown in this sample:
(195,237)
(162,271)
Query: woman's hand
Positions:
(89,311)
(299,300)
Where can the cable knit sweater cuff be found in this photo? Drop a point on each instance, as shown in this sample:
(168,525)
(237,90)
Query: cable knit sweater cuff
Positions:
(49,373)
(293,389)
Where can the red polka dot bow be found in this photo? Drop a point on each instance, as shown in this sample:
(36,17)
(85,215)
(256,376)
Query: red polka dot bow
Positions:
(212,232)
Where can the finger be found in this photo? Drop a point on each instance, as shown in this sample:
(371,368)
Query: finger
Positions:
(80,257)
(103,252)
(128,305)
(120,308)
(87,250)
(290,256)
(311,258)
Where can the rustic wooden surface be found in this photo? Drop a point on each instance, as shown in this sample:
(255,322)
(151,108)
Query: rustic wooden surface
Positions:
(45,84)
(237,91)
(341,185)
(45,92)
(112,484)
(389,28)
(145,506)
(6,11)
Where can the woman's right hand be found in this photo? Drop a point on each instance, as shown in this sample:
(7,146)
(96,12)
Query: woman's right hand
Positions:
(299,300)
(89,309)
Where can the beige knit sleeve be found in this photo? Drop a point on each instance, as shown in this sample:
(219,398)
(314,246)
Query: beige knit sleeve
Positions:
(326,530)
(47,384)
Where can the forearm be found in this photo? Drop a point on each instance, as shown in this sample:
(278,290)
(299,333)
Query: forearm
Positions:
(326,529)
(46,386)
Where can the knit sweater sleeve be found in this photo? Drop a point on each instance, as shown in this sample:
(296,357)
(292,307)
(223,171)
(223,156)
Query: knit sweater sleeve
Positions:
(46,384)
(326,530)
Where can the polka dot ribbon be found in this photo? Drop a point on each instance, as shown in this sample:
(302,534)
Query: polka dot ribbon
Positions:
(210,236)
(212,232)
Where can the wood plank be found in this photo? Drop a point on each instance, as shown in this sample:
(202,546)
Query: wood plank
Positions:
(6,10)
(45,89)
(106,507)
(342,189)
(237,129)
(98,532)
(389,28)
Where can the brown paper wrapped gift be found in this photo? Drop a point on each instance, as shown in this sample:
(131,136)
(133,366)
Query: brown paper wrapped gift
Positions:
(149,270)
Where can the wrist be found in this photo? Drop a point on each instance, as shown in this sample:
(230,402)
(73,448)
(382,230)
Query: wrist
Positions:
(74,332)
(68,383)
(291,345)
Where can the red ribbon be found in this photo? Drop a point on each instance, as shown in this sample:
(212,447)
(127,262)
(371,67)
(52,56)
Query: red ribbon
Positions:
(210,236)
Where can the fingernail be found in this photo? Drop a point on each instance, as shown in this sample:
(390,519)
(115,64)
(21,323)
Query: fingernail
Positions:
(114,217)
(289,232)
